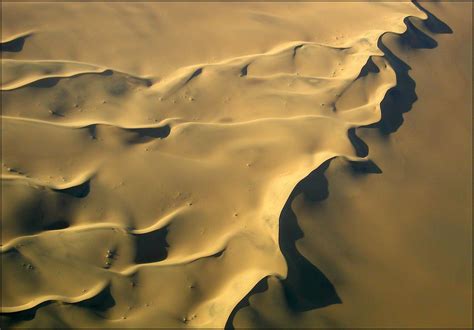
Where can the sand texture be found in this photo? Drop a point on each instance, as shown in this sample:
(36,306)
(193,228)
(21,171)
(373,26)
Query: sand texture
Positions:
(255,164)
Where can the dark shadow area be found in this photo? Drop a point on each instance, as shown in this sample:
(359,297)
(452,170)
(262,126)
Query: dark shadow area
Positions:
(53,81)
(400,98)
(107,72)
(15,45)
(100,303)
(369,67)
(57,225)
(92,129)
(243,71)
(295,49)
(143,135)
(79,191)
(147,82)
(361,148)
(151,247)
(119,81)
(45,82)
(260,287)
(194,75)
(57,113)
(97,304)
(41,208)
(305,287)
(218,254)
(433,24)
(364,167)
(10,319)
(415,38)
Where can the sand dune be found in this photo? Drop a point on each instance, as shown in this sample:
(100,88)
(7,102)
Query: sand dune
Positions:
(163,163)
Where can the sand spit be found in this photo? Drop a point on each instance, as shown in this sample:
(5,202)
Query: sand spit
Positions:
(151,171)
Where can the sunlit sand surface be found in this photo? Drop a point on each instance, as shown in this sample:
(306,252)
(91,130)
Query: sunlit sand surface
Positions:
(216,165)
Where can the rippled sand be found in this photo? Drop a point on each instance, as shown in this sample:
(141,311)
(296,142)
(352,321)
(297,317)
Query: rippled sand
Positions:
(236,164)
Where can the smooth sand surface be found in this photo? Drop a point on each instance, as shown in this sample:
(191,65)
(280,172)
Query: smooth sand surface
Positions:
(218,165)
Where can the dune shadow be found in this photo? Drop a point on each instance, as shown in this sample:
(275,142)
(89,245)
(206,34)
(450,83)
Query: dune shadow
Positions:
(79,191)
(147,134)
(15,45)
(100,303)
(45,82)
(361,148)
(151,247)
(244,70)
(400,99)
(57,225)
(195,74)
(260,287)
(414,38)
(364,167)
(369,67)
(433,23)
(306,287)
(10,319)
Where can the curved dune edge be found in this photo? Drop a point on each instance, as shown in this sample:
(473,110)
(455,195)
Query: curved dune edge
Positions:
(57,70)
(17,36)
(261,307)
(19,73)
(168,86)
(407,21)
(15,42)
(53,298)
(160,224)
(77,181)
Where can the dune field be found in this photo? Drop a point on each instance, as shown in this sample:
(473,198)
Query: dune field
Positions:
(236,164)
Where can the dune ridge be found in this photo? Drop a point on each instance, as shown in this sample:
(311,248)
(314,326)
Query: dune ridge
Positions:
(142,161)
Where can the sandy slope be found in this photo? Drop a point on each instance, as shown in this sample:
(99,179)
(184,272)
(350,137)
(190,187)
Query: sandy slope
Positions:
(155,158)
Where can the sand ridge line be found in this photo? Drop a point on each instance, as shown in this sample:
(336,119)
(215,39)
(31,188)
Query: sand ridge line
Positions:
(159,224)
(90,293)
(408,24)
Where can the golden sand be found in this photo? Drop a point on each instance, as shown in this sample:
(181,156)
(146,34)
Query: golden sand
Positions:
(218,165)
